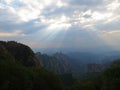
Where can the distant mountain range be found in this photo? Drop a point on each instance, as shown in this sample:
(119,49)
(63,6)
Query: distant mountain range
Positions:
(58,62)
(21,68)
(77,63)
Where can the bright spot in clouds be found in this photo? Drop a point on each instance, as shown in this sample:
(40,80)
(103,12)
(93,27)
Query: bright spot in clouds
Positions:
(61,23)
(100,16)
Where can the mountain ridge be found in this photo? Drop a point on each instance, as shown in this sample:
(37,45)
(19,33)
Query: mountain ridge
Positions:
(20,53)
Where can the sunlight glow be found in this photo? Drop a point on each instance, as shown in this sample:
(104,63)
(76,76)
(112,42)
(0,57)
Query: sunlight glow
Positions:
(114,5)
(61,23)
(101,16)
(60,3)
(49,19)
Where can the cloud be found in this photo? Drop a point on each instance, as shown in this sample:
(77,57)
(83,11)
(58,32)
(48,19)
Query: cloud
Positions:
(114,32)
(41,20)
(85,2)
(17,33)
(111,38)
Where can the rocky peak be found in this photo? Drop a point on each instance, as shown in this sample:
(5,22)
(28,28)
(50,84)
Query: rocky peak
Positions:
(20,52)
(57,63)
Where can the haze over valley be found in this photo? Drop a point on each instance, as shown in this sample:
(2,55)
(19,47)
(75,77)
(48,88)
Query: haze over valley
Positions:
(59,45)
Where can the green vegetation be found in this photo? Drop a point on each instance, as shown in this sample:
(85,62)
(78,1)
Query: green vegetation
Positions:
(108,80)
(19,70)
(17,77)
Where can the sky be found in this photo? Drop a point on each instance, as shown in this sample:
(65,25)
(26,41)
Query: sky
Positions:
(61,24)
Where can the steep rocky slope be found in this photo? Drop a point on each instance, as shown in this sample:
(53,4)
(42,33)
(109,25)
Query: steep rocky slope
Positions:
(57,63)
(21,70)
(18,52)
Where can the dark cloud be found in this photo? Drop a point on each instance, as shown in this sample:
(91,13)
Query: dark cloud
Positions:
(85,2)
(108,26)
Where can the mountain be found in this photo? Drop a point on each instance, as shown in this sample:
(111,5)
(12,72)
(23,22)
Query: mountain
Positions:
(20,53)
(81,65)
(84,64)
(85,57)
(98,57)
(58,62)
(21,70)
(109,79)
(94,68)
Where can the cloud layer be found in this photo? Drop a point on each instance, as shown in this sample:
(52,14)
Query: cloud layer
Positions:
(61,23)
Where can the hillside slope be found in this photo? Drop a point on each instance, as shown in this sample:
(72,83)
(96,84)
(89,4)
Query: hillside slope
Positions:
(21,70)
(19,52)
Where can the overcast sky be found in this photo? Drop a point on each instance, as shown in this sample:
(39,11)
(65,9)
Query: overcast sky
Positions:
(73,24)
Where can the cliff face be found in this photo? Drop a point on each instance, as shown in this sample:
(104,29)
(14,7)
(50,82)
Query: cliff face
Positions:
(56,63)
(94,68)
(64,61)
(19,53)
(19,69)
